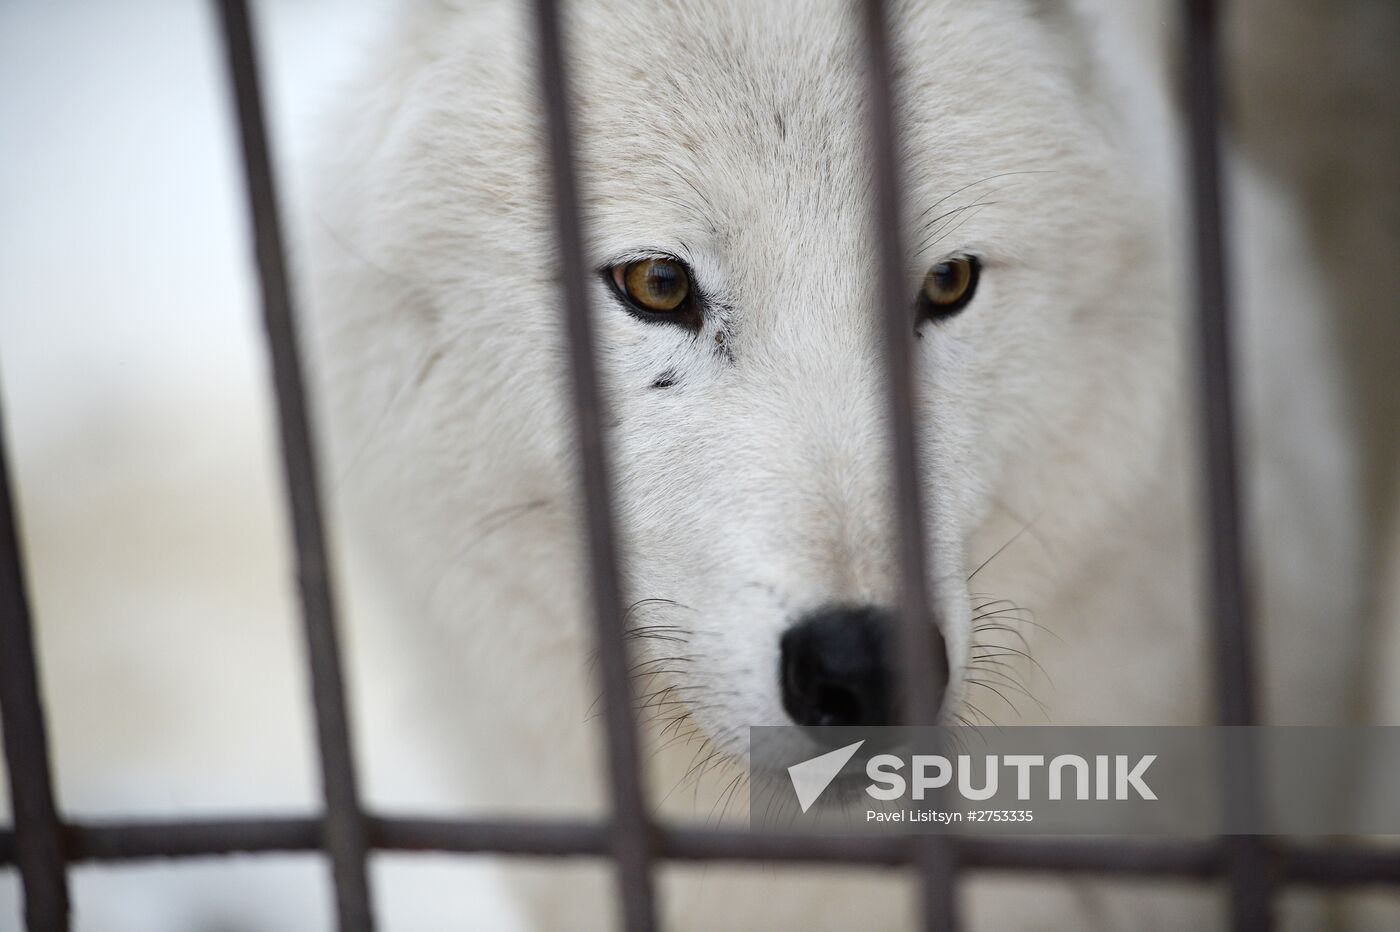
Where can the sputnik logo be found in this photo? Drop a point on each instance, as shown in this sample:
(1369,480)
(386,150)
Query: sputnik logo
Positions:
(811,777)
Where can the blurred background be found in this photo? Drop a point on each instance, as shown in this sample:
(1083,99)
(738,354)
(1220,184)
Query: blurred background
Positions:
(136,411)
(136,406)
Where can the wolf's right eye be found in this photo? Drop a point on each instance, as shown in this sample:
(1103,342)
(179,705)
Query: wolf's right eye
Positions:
(660,286)
(949,286)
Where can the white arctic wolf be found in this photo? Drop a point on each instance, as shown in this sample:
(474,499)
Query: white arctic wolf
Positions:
(726,185)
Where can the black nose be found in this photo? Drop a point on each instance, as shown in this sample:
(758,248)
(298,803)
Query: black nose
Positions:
(837,668)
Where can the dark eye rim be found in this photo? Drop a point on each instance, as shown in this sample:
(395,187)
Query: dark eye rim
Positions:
(688,314)
(941,312)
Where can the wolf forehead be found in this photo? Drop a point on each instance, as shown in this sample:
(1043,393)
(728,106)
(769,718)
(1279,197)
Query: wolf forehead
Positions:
(723,111)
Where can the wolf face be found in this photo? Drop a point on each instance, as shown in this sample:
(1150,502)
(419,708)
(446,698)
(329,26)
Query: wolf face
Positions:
(727,192)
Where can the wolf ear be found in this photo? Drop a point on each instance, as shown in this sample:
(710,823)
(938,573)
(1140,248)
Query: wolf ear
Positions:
(1074,24)
(432,7)
(1065,20)
(1104,32)
(1123,61)
(432,26)
(432,11)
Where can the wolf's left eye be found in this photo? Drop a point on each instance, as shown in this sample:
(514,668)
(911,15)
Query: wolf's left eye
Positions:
(949,286)
(659,286)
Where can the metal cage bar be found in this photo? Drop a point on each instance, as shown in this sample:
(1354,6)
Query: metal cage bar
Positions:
(631,841)
(1322,866)
(345,836)
(36,844)
(1247,856)
(919,669)
(41,846)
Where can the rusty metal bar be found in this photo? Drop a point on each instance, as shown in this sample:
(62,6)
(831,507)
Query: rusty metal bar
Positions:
(917,643)
(1248,856)
(1228,585)
(37,843)
(632,832)
(1311,865)
(1341,867)
(189,838)
(345,833)
(1125,857)
(524,837)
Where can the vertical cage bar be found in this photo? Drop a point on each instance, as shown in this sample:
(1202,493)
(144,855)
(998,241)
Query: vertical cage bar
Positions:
(38,837)
(345,832)
(1250,885)
(632,842)
(917,643)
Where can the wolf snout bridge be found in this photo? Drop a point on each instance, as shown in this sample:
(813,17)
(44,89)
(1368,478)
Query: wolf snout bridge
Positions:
(42,845)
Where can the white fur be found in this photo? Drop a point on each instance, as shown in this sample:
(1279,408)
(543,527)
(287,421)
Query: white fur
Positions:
(1056,409)
(1059,422)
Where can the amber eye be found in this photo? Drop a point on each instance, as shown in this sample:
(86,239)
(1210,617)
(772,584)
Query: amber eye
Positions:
(657,285)
(949,286)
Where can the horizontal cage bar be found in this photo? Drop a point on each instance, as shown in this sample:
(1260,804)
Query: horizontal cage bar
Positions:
(1308,865)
